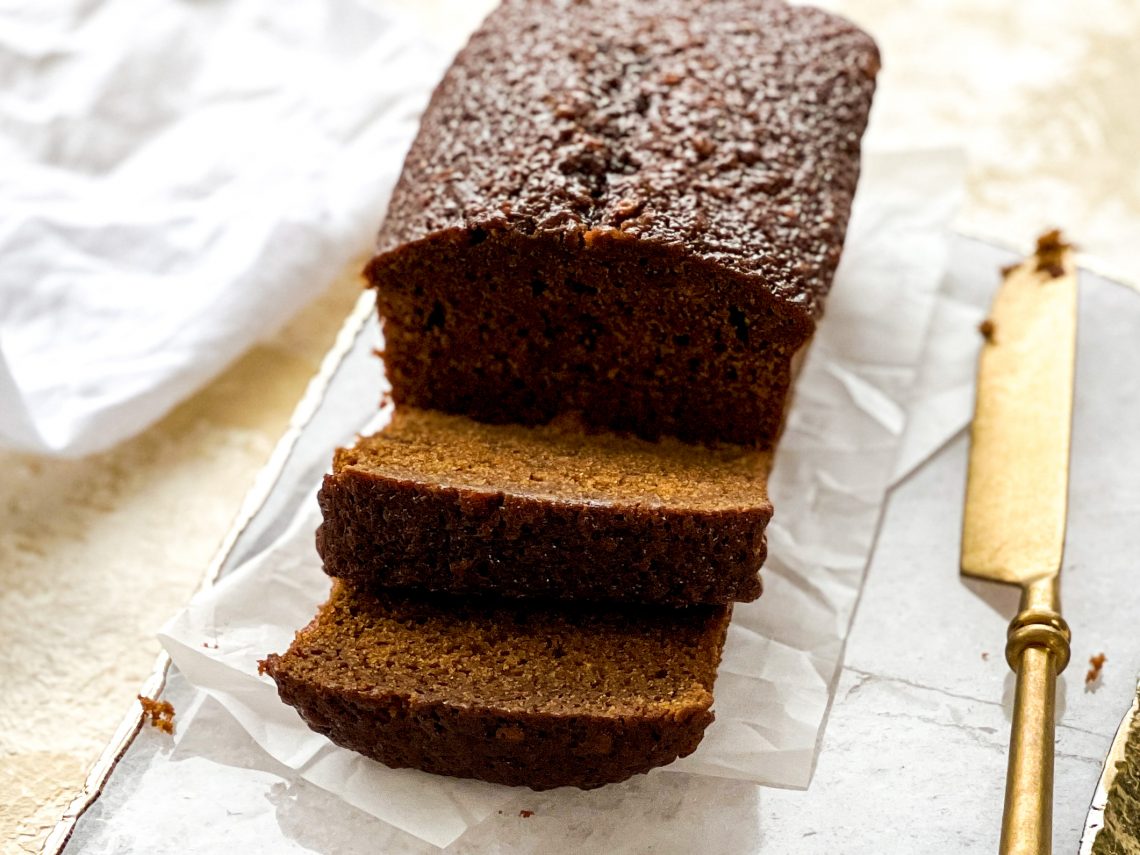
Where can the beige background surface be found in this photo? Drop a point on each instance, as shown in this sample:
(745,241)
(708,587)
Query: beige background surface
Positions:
(96,554)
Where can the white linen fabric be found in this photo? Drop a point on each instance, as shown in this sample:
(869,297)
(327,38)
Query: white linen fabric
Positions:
(179,179)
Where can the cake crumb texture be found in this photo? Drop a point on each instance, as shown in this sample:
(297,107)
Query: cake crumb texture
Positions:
(445,503)
(535,695)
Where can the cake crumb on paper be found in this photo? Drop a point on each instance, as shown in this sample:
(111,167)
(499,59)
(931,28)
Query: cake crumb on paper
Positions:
(160,713)
(987,329)
(526,814)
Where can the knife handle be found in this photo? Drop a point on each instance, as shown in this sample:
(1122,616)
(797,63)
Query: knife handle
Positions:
(1038,650)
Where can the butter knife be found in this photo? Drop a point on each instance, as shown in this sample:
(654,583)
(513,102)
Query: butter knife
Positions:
(1016,505)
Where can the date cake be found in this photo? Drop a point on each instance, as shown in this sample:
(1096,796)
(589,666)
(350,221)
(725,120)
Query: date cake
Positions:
(632,211)
(520,694)
(610,245)
(446,503)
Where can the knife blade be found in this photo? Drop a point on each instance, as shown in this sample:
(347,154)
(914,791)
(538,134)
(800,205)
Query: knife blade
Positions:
(1016,506)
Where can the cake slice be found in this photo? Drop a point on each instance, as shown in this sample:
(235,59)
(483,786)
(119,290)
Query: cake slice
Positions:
(520,694)
(628,209)
(445,503)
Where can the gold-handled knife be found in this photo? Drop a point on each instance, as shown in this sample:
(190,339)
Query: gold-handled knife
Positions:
(1016,504)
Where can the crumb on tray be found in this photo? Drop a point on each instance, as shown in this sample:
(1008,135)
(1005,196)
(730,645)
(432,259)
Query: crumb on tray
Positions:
(1051,248)
(1096,665)
(526,814)
(160,713)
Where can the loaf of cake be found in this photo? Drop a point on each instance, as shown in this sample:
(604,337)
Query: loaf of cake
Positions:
(530,695)
(631,211)
(446,503)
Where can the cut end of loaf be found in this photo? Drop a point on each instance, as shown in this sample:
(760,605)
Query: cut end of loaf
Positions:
(625,334)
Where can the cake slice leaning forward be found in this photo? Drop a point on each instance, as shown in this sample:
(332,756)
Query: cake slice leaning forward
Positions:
(533,695)
(445,503)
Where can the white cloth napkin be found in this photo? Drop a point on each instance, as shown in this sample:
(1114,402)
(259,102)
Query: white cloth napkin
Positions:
(178,179)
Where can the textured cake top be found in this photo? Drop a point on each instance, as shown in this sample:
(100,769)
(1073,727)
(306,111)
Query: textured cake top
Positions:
(729,129)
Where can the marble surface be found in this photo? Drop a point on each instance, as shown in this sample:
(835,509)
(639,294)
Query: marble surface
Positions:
(95,554)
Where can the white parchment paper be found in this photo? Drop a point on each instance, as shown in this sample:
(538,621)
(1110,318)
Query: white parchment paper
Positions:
(178,179)
(833,468)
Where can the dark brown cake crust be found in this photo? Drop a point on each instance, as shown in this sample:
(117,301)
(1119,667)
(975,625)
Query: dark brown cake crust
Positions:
(447,504)
(531,696)
(630,210)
